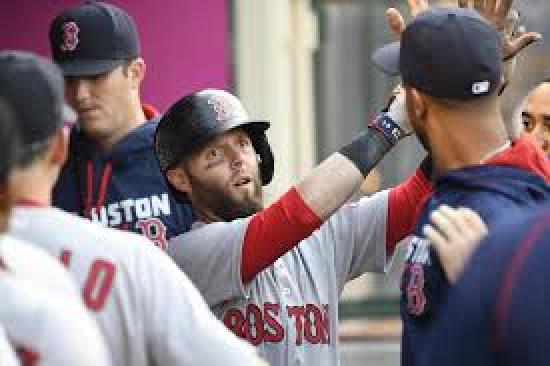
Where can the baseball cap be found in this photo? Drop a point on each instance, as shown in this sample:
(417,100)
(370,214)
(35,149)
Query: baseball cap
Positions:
(34,89)
(9,141)
(93,38)
(446,52)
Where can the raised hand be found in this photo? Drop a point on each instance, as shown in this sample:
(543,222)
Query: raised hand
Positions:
(505,20)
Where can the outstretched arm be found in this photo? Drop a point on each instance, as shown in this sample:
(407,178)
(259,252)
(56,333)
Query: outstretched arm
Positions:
(280,227)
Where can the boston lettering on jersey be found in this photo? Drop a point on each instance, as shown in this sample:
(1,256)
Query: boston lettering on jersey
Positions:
(130,210)
(139,214)
(262,323)
(418,256)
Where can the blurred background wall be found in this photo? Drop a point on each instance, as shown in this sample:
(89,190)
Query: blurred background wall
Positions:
(185,43)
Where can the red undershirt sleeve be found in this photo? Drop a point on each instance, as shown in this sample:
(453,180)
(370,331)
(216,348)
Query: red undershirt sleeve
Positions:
(274,231)
(404,204)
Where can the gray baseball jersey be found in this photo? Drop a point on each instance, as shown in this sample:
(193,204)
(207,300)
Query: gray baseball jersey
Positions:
(42,313)
(148,310)
(7,354)
(290,310)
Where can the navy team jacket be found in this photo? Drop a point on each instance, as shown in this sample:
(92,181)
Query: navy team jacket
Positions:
(497,314)
(506,184)
(123,188)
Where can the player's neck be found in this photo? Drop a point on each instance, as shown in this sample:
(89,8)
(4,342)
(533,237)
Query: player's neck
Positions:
(135,118)
(32,185)
(206,216)
(467,141)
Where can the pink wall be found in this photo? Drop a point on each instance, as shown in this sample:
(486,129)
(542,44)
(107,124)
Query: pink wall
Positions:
(184,43)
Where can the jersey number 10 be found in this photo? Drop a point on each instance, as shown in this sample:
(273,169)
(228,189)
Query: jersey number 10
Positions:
(99,281)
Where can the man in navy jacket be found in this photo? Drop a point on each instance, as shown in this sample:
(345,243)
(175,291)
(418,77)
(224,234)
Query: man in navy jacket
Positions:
(112,175)
(453,107)
(497,313)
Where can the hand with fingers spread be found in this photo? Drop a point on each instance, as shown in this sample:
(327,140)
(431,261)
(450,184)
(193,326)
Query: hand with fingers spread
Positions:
(395,20)
(505,19)
(454,234)
(497,12)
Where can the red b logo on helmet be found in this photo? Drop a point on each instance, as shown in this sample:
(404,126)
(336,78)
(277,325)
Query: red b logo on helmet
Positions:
(70,36)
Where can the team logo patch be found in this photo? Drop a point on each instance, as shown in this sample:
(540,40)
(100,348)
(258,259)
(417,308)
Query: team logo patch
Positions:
(221,106)
(70,36)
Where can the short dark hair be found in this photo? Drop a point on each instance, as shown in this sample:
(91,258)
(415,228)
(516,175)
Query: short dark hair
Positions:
(10,143)
(31,153)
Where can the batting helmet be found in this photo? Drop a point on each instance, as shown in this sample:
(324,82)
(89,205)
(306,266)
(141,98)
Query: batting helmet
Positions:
(198,118)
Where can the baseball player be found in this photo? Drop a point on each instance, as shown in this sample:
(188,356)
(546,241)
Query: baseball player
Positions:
(497,313)
(111,175)
(147,309)
(41,312)
(46,326)
(535,115)
(274,275)
(7,354)
(454,109)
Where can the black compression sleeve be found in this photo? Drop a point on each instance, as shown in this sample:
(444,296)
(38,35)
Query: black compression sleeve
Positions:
(367,149)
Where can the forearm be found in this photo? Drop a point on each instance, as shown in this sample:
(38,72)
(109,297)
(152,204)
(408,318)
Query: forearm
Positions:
(341,174)
(404,204)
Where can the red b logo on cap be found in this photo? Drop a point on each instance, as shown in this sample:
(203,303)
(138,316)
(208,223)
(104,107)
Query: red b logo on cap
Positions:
(70,36)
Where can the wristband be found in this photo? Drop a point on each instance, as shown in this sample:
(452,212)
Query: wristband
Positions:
(367,149)
(389,128)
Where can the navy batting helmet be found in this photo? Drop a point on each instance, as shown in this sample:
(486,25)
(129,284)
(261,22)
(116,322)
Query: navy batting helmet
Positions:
(198,118)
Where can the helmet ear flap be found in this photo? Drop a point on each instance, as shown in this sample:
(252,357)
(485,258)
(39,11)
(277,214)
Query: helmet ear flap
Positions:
(266,159)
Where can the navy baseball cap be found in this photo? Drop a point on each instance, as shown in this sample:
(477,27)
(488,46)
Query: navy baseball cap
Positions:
(33,87)
(93,38)
(446,52)
(9,141)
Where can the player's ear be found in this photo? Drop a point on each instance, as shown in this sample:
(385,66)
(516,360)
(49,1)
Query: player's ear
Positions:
(59,147)
(179,179)
(416,103)
(135,71)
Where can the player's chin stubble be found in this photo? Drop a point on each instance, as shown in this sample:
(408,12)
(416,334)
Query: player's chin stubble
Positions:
(221,203)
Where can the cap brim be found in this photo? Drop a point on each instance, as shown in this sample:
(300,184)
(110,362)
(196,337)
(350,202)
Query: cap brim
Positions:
(254,126)
(386,58)
(258,126)
(88,67)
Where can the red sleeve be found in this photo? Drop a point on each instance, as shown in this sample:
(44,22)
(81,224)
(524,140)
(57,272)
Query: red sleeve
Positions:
(274,231)
(405,203)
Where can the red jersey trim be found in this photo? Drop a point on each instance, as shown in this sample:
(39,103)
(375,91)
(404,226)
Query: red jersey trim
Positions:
(516,265)
(274,231)
(405,203)
(149,110)
(524,154)
(29,202)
